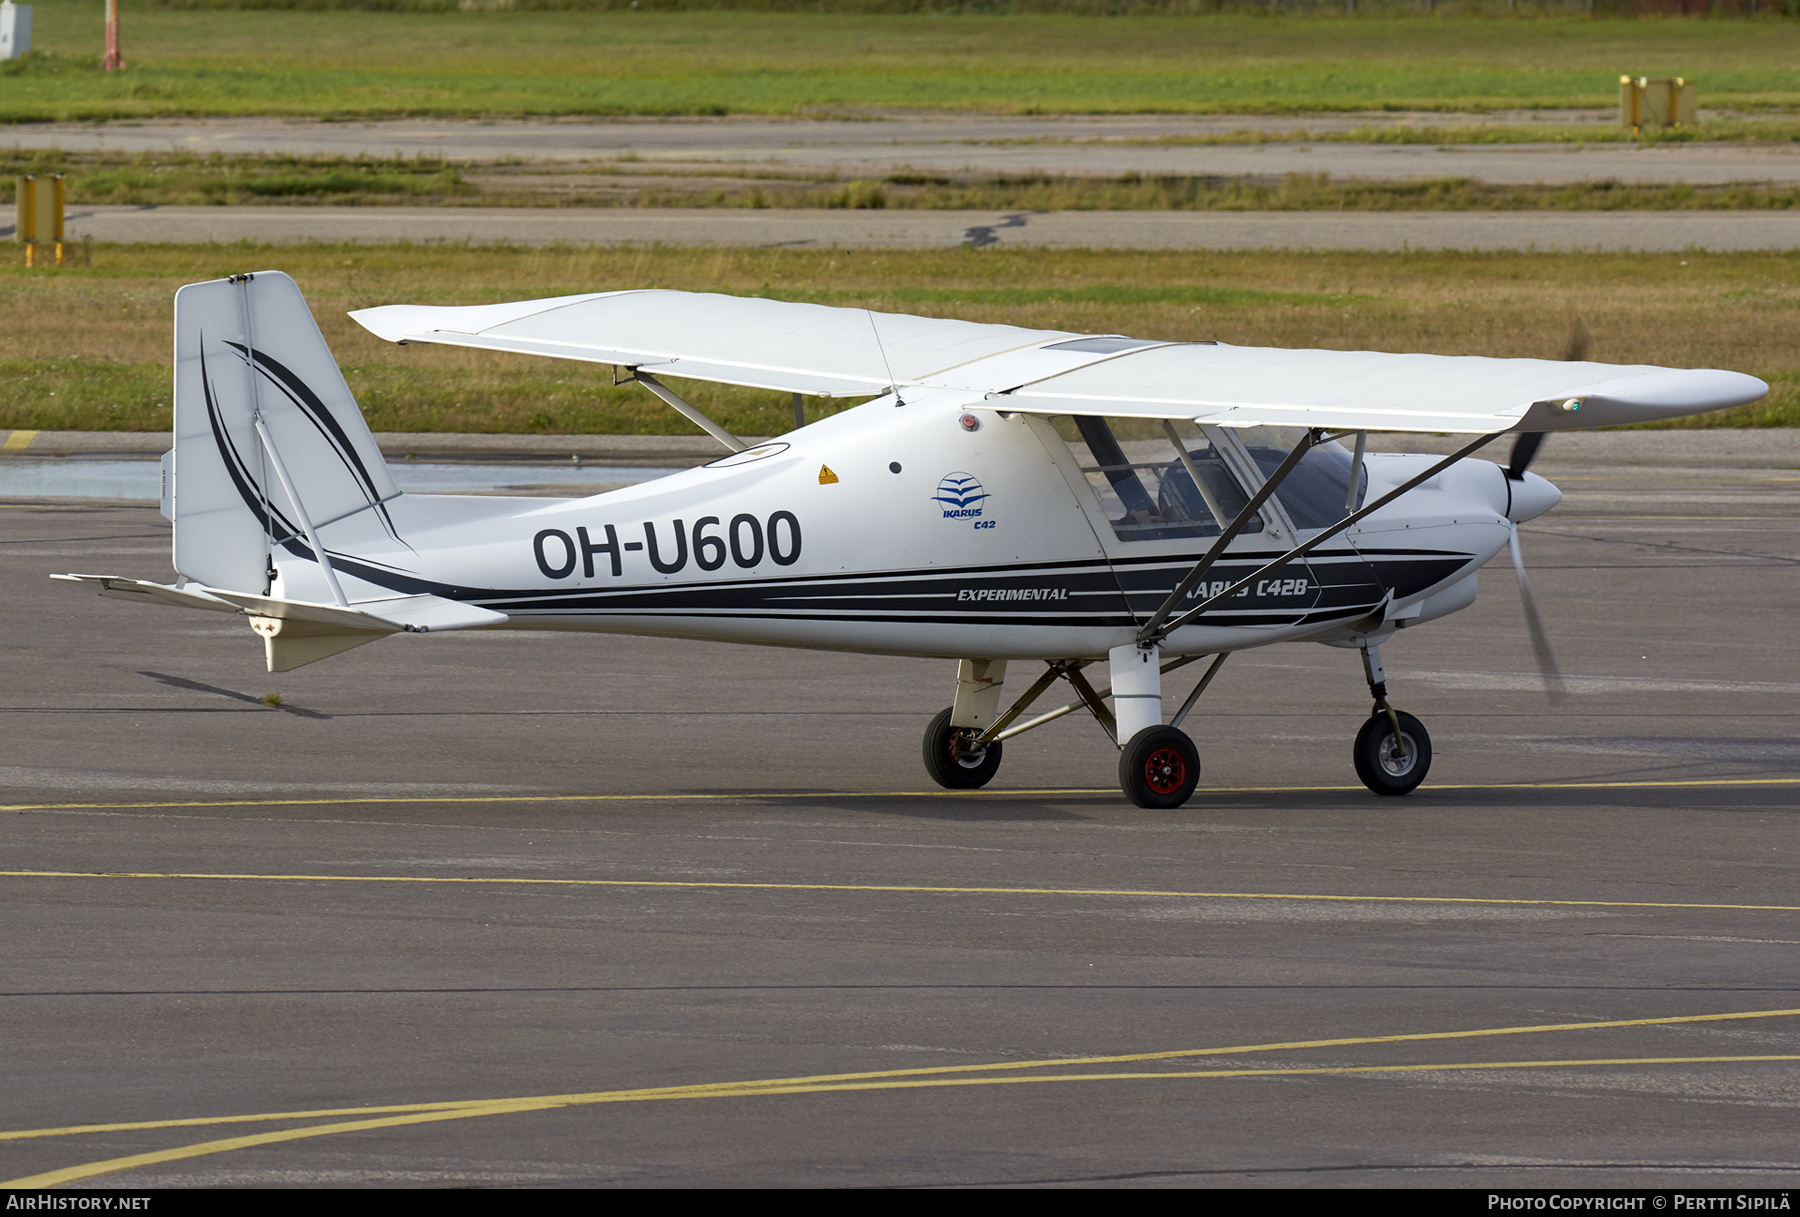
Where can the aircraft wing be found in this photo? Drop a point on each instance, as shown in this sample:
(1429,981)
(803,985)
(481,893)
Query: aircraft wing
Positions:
(1369,390)
(766,344)
(821,351)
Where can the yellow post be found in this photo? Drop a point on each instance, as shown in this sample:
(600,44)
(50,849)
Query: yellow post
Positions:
(25,228)
(40,215)
(1664,104)
(1684,101)
(56,210)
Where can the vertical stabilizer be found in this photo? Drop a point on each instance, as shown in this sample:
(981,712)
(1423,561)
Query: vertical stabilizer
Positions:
(247,350)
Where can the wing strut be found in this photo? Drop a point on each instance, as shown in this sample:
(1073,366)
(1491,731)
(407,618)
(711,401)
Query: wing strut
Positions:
(1086,695)
(693,414)
(1158,628)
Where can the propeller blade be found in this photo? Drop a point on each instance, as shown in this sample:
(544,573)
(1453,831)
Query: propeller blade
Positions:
(1534,623)
(1579,342)
(1525,450)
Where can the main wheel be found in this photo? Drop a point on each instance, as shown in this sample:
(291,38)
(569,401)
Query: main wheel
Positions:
(1389,767)
(953,760)
(1158,767)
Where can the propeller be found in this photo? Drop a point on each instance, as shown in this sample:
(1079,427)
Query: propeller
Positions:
(1525,450)
(1534,623)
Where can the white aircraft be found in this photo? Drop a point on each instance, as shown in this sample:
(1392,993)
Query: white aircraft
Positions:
(1007,495)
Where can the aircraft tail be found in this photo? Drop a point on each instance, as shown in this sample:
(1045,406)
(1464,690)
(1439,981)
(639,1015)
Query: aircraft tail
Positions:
(270,450)
(269,443)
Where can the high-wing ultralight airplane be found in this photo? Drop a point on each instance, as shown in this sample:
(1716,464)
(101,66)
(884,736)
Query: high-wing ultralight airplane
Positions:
(1006,495)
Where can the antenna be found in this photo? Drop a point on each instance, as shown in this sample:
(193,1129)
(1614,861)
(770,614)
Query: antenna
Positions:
(884,359)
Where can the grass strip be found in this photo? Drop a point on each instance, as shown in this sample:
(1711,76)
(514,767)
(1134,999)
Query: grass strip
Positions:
(357,64)
(178,178)
(87,345)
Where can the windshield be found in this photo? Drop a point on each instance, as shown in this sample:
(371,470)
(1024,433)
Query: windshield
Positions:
(1314,493)
(1144,482)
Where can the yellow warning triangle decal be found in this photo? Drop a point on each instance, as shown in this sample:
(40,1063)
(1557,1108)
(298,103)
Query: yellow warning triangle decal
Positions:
(826,476)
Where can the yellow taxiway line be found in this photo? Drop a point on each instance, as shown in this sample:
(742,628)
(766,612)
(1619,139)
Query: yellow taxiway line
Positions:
(1003,1073)
(513,1106)
(1130,1058)
(755,796)
(510,1107)
(899,888)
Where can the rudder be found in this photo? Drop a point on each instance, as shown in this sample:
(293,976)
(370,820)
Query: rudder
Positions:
(247,349)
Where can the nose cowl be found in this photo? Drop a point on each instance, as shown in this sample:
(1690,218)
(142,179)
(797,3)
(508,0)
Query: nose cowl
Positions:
(1532,496)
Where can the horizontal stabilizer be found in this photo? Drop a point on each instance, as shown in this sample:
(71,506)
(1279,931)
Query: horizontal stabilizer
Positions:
(150,593)
(413,614)
(296,632)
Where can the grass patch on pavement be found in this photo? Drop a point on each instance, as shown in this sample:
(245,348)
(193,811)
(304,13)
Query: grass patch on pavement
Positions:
(177,177)
(87,346)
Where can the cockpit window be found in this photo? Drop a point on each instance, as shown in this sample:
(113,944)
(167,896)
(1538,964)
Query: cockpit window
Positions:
(1144,484)
(1314,493)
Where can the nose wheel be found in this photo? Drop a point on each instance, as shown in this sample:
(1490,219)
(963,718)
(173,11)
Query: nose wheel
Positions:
(953,758)
(1393,752)
(1392,763)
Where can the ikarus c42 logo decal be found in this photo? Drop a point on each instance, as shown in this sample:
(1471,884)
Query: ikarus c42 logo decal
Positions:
(961,497)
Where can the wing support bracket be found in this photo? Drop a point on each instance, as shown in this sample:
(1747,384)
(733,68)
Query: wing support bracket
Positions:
(1159,627)
(691,413)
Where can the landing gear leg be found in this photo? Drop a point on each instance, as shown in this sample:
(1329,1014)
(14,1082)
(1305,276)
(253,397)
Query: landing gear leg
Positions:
(1393,751)
(1158,765)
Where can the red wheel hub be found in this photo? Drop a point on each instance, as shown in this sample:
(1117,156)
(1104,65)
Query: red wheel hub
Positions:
(1165,770)
(960,753)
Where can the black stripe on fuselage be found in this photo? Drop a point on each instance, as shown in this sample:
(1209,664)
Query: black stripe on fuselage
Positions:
(1045,594)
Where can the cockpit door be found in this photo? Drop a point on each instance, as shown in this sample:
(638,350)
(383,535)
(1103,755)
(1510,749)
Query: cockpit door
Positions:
(1157,502)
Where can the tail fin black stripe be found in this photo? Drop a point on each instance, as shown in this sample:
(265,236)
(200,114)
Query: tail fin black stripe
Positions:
(314,408)
(248,487)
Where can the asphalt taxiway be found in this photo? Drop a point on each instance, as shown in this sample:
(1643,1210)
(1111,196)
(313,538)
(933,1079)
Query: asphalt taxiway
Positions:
(878,145)
(1226,145)
(513,909)
(794,228)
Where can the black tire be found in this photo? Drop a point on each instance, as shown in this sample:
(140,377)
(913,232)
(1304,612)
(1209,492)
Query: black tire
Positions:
(1159,767)
(1382,767)
(951,762)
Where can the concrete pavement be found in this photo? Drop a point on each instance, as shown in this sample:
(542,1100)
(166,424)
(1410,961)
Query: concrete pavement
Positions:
(450,875)
(1671,231)
(955,143)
